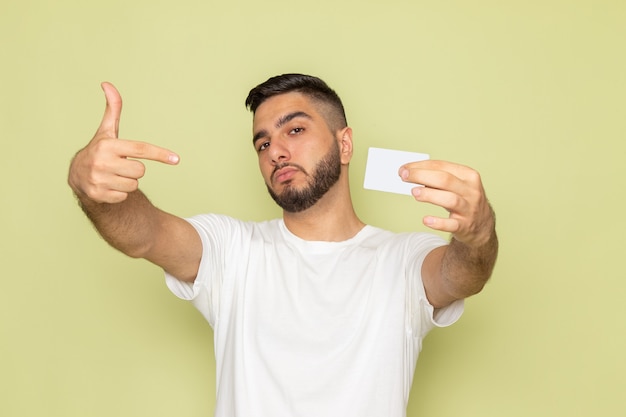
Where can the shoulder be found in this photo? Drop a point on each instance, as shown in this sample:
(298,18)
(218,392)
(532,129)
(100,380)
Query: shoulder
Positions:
(220,224)
(406,241)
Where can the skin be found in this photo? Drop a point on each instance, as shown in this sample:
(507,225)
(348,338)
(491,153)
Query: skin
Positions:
(303,141)
(463,267)
(105,175)
(291,135)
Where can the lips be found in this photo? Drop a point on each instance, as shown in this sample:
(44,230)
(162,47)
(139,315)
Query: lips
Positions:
(284,174)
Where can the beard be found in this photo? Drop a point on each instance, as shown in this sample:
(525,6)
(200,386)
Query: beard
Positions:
(325,175)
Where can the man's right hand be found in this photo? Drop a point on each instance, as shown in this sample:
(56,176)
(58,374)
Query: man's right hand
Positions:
(109,168)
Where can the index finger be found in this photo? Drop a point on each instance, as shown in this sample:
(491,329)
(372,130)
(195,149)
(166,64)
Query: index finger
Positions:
(143,150)
(458,170)
(441,175)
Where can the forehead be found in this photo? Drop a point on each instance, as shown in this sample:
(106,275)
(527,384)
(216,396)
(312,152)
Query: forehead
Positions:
(277,106)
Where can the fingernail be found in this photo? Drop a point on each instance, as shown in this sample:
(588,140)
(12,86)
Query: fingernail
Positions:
(404,173)
(173,158)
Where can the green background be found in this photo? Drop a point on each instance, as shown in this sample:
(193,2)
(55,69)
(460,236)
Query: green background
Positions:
(530,93)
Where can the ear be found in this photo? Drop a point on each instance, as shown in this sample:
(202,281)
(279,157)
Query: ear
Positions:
(344,138)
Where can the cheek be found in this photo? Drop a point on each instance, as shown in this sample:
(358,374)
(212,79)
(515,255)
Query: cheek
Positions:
(266,170)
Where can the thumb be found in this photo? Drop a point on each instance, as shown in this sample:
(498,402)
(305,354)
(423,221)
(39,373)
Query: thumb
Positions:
(111,120)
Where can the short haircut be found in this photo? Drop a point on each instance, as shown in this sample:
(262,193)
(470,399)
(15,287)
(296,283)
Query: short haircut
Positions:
(312,87)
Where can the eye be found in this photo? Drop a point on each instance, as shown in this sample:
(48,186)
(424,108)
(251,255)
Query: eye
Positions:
(263,146)
(296,130)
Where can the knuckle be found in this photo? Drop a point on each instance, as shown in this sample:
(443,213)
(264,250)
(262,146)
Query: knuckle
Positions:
(136,169)
(97,166)
(447,180)
(134,186)
(457,200)
(473,177)
(141,170)
(95,188)
(140,148)
(101,146)
(94,193)
(436,164)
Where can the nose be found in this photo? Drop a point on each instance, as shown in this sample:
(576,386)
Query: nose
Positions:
(278,151)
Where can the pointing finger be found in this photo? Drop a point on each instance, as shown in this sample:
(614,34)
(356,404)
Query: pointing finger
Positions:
(111,120)
(457,170)
(441,175)
(144,150)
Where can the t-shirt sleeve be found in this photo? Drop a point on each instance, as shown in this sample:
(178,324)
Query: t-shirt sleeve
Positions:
(204,292)
(424,316)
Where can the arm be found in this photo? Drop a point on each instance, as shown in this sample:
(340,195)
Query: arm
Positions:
(461,268)
(104,177)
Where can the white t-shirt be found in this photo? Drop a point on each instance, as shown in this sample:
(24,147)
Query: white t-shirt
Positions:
(309,328)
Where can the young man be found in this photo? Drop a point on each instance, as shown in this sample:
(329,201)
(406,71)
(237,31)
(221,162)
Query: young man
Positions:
(315,314)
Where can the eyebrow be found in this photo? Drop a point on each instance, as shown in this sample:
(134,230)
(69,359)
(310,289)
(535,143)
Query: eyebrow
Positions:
(281,122)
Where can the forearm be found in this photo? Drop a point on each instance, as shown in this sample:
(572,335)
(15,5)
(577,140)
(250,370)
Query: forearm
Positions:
(466,269)
(128,226)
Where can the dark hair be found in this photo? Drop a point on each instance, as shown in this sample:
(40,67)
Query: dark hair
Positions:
(308,85)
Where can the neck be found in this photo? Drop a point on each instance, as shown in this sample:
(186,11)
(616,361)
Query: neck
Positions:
(331,219)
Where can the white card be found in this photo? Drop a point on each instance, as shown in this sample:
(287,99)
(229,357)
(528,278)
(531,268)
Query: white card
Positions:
(381,171)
